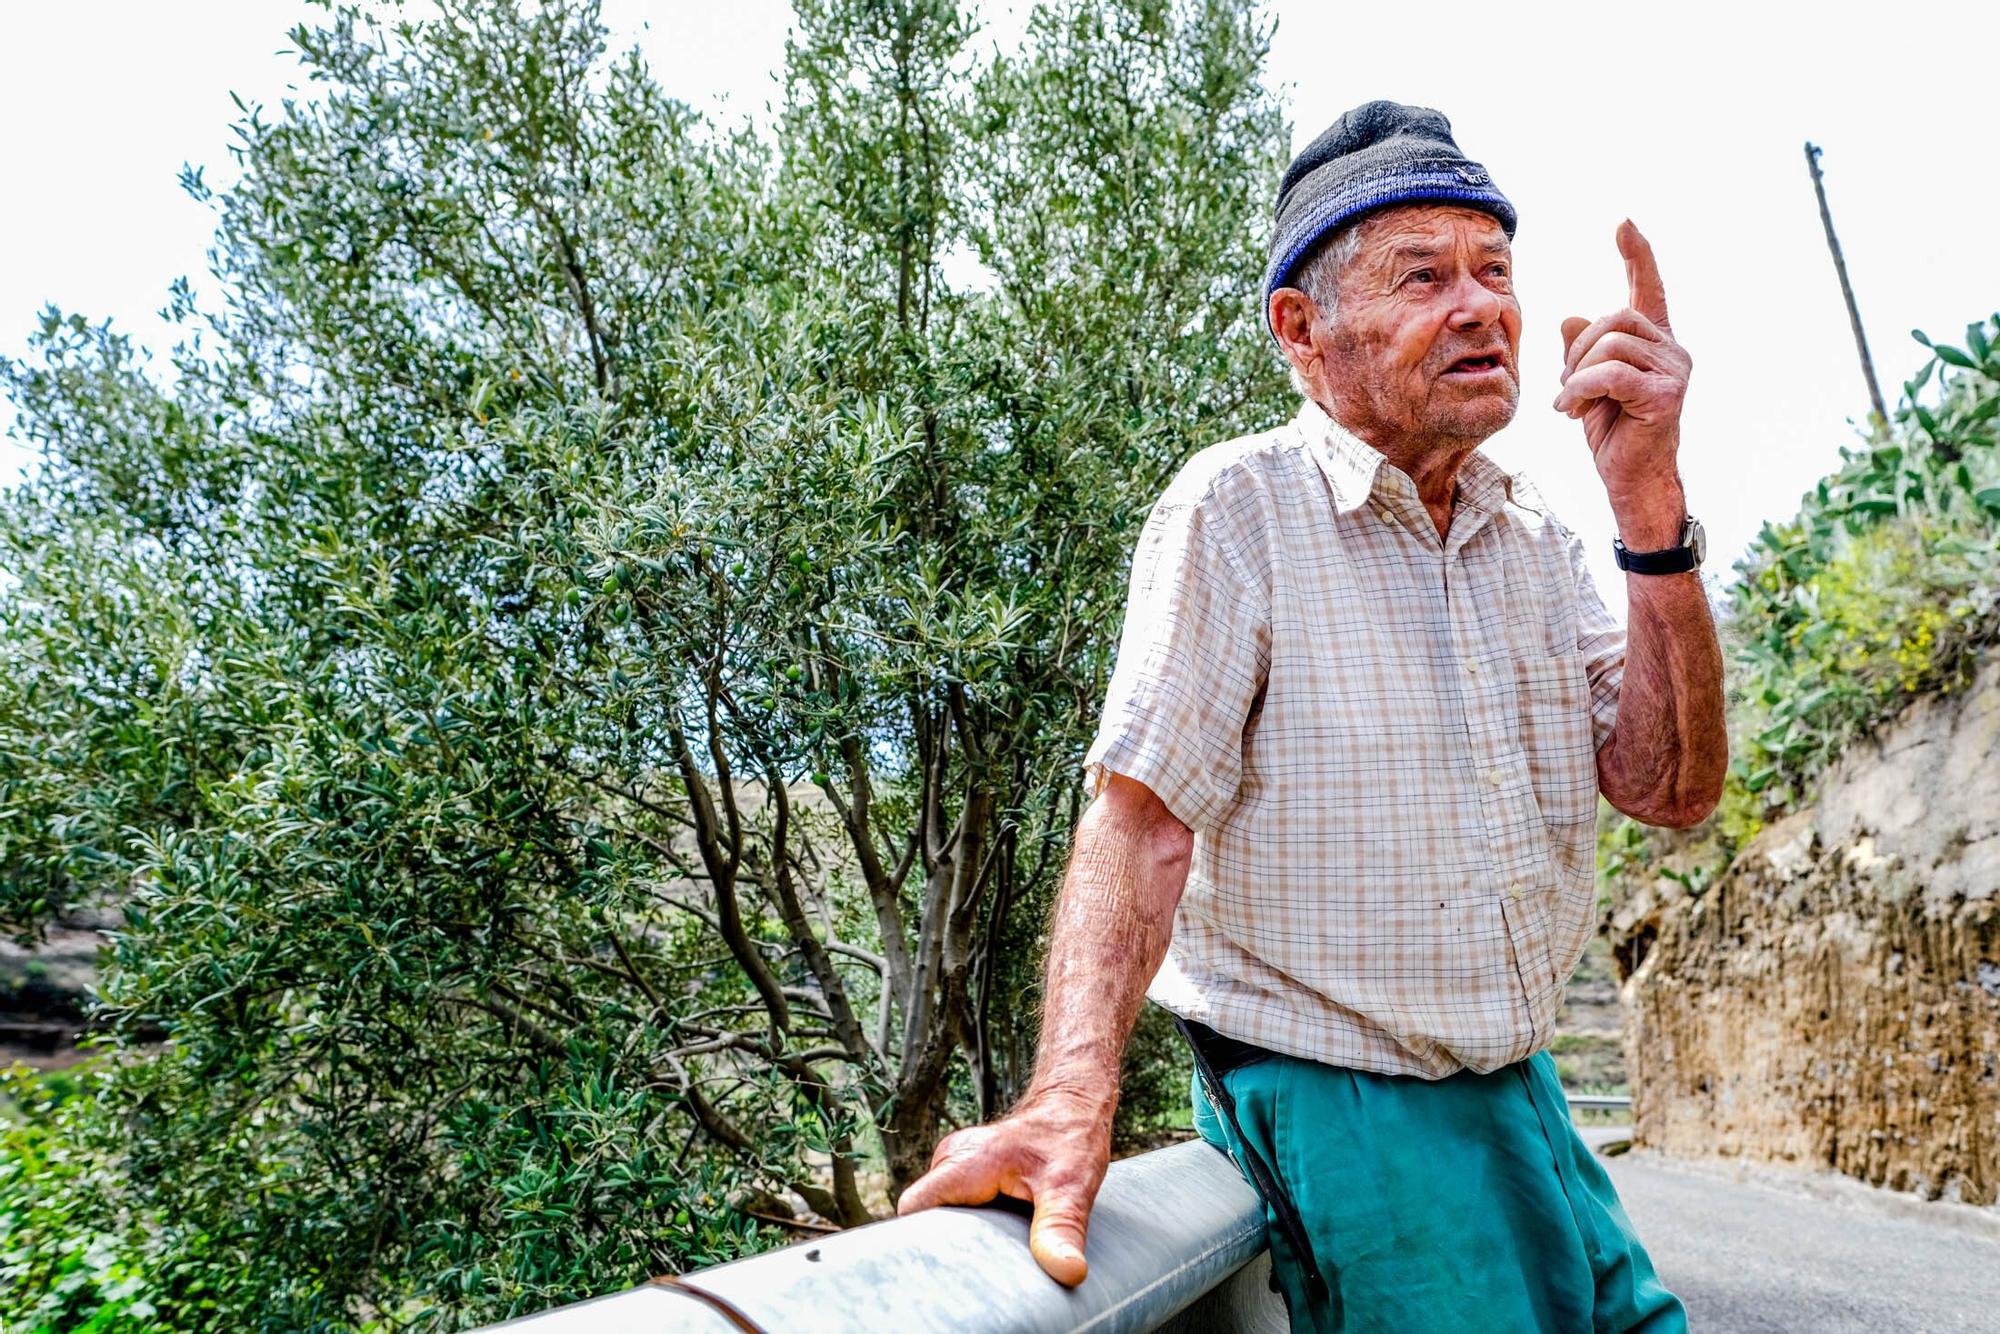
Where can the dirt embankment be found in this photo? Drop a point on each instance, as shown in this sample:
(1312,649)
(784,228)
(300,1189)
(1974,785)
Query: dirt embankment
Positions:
(44,989)
(1834,997)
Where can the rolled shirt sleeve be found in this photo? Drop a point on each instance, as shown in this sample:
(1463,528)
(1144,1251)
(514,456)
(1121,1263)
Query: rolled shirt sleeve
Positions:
(1600,638)
(1191,665)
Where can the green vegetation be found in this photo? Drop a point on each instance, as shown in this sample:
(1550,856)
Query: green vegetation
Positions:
(1884,587)
(577,677)
(1881,588)
(1590,1062)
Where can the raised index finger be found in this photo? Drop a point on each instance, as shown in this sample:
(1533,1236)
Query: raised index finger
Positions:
(1642,274)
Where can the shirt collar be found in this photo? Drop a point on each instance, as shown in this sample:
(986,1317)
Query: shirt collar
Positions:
(1357,471)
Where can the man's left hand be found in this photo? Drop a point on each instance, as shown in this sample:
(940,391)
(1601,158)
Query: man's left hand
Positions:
(1625,377)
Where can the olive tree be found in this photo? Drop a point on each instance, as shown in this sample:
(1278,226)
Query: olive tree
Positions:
(577,677)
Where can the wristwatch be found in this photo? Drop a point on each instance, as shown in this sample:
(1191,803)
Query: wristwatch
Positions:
(1674,560)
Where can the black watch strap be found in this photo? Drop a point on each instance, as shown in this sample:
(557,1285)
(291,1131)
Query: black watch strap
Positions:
(1674,560)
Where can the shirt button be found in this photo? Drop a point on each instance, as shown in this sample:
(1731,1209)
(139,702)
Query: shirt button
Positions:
(1514,893)
(1471,667)
(1497,777)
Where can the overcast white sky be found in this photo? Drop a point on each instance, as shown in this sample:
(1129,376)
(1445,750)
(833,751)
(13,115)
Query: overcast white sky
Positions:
(1689,118)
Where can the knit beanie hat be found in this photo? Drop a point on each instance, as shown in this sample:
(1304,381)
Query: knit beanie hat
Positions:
(1378,154)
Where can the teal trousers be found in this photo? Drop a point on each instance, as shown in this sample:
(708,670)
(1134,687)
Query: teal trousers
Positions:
(1463,1203)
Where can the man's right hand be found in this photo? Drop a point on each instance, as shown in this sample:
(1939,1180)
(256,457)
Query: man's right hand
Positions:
(1051,1150)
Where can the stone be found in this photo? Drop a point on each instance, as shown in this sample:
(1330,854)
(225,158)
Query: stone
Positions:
(1833,998)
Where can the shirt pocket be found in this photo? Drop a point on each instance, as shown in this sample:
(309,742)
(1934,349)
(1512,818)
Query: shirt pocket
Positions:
(1553,692)
(1541,612)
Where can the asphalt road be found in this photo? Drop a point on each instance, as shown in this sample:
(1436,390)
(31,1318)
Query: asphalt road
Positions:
(1768,1250)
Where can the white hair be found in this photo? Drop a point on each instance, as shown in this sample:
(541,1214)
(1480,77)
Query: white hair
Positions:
(1319,276)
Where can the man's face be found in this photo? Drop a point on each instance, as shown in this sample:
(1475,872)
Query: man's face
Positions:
(1425,336)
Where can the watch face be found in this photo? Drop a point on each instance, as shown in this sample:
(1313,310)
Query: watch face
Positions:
(1698,539)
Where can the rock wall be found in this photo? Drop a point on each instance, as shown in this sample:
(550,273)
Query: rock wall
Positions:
(1833,998)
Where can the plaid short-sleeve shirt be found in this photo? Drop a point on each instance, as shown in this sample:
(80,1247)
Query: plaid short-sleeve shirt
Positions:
(1385,744)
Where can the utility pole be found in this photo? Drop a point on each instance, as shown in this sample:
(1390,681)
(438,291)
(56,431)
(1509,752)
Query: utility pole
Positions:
(1846,288)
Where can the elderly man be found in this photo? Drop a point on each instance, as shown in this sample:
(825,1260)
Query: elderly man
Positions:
(1347,776)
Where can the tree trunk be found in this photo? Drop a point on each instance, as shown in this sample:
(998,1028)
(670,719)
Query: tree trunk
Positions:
(910,1133)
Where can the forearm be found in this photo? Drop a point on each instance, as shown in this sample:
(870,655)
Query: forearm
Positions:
(1664,760)
(1625,378)
(1112,923)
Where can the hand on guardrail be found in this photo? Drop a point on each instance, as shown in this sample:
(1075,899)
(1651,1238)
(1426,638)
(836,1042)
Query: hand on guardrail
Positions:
(1052,1151)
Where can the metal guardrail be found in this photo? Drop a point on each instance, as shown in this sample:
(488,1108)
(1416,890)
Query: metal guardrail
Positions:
(1171,1228)
(1176,1244)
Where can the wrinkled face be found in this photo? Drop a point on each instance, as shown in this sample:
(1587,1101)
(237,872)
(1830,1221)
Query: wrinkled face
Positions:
(1424,338)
